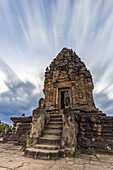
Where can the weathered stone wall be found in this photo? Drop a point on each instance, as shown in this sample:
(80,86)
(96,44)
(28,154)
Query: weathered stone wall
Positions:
(86,130)
(69,142)
(95,132)
(40,119)
(22,126)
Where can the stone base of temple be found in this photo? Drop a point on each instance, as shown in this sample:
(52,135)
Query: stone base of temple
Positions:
(64,133)
(49,142)
(71,132)
(95,133)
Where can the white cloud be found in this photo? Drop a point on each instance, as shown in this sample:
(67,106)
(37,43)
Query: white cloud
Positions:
(3,86)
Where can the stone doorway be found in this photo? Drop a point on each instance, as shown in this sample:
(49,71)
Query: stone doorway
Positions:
(62,100)
(61,97)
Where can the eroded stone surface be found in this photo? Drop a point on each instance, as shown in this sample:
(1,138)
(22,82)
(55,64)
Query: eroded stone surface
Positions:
(67,73)
(21,127)
(11,158)
(68,90)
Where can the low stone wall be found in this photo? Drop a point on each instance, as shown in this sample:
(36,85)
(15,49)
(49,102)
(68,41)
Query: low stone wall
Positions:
(95,132)
(21,127)
(86,130)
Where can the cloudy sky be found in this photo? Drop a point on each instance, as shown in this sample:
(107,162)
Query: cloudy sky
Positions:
(33,32)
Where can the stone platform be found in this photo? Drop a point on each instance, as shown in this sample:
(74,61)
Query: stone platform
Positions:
(11,158)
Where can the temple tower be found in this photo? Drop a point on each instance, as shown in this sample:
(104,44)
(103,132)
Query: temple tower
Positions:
(67,74)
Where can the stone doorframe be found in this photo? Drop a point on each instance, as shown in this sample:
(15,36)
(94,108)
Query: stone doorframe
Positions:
(63,86)
(60,90)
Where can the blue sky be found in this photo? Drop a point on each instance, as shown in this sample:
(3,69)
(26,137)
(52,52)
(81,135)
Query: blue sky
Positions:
(33,32)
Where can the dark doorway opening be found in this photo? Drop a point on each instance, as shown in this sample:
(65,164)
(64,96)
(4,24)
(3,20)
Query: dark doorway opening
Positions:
(61,96)
(62,100)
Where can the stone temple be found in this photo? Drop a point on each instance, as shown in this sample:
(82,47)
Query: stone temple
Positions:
(67,122)
(68,74)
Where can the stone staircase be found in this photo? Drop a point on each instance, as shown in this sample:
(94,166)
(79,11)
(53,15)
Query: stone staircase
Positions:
(48,145)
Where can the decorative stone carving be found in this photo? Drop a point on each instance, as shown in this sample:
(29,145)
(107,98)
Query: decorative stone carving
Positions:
(66,99)
(67,71)
(41,103)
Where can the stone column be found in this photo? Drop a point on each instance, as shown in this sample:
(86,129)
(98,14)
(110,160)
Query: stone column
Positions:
(54,96)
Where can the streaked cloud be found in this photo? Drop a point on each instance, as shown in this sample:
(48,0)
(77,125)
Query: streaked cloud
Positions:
(19,97)
(32,34)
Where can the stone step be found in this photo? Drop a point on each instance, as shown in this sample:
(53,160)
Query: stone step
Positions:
(47,147)
(50,137)
(53,113)
(54,127)
(41,154)
(49,140)
(56,119)
(51,132)
(55,123)
(55,116)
